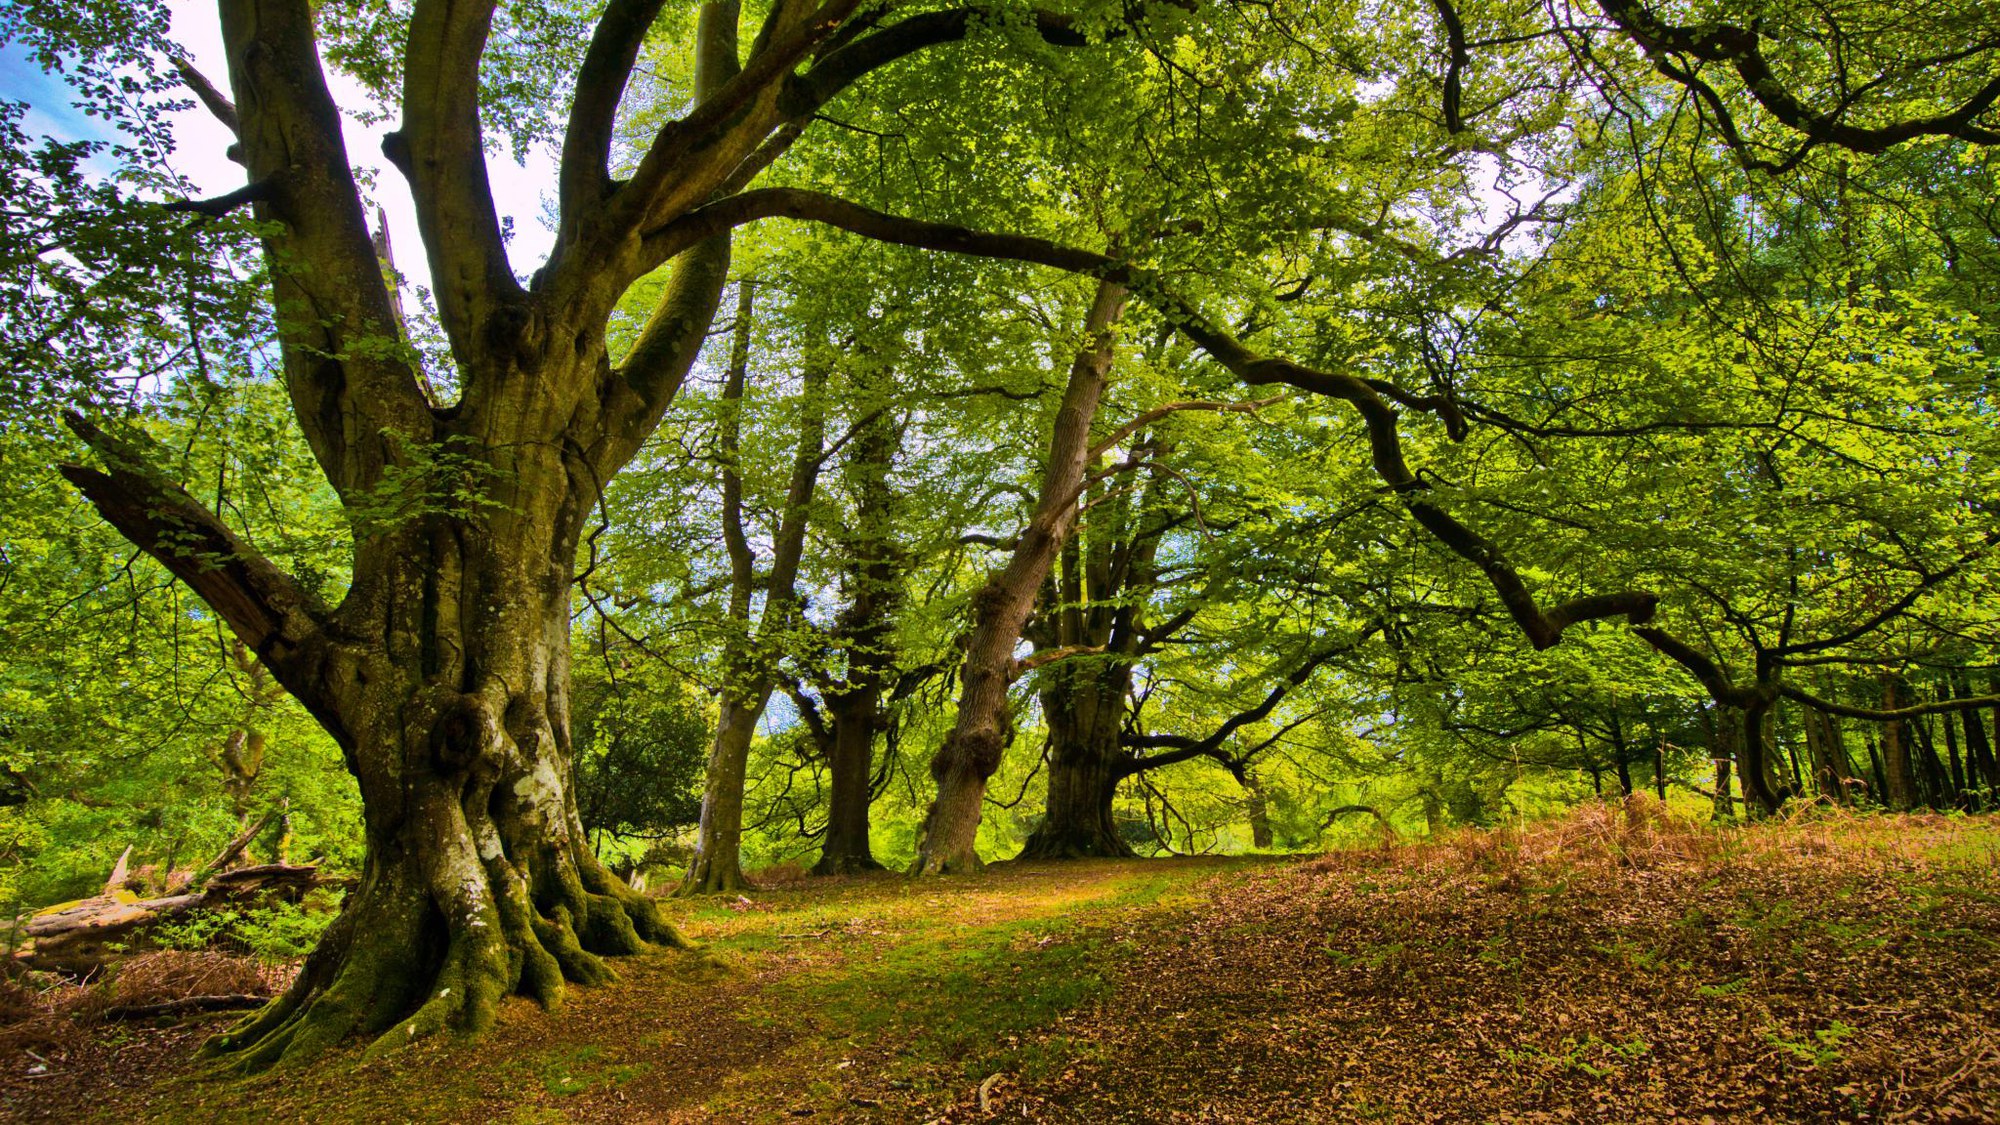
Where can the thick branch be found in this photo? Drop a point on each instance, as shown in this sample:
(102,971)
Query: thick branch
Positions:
(1543,629)
(1708,672)
(334,312)
(211,98)
(1741,49)
(1460,58)
(223,204)
(440,149)
(600,86)
(1972,703)
(268,611)
(1180,748)
(1049,656)
(847,64)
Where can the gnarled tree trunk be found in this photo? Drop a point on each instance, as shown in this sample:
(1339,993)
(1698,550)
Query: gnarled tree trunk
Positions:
(1095,600)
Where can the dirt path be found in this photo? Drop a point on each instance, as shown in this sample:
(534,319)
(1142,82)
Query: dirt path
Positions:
(1600,969)
(790,978)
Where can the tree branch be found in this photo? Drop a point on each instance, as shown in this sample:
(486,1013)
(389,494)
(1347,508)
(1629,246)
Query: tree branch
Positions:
(1971,703)
(1741,49)
(223,204)
(440,149)
(218,106)
(1050,656)
(1159,412)
(1543,629)
(275,617)
(335,317)
(585,176)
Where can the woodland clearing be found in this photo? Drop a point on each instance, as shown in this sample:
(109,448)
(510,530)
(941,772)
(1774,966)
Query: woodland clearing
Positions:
(1610,965)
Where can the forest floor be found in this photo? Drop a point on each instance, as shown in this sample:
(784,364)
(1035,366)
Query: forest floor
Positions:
(1606,967)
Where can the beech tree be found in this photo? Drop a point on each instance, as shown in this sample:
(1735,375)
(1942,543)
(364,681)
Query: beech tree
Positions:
(442,668)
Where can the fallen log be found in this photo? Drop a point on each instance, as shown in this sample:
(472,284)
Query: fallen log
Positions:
(76,937)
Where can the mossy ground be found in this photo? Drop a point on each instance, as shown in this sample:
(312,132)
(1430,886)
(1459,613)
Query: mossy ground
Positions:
(1606,967)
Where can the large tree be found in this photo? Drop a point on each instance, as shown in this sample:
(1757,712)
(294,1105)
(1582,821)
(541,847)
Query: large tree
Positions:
(443,671)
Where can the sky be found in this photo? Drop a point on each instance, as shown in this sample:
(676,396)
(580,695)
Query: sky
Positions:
(201,142)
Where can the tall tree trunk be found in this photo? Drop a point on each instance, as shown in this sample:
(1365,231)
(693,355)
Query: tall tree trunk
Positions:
(1985,770)
(971,751)
(1936,784)
(1084,768)
(1825,746)
(1624,757)
(865,631)
(1897,758)
(1257,808)
(1958,771)
(1761,792)
(1725,737)
(448,689)
(748,662)
(1095,600)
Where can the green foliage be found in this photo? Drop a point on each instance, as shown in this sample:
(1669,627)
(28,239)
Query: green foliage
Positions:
(281,931)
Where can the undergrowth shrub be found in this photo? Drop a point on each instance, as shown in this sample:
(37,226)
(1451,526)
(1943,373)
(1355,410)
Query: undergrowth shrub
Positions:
(280,931)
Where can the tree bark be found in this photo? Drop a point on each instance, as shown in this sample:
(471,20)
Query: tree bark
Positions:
(1095,600)
(865,633)
(749,658)
(1897,760)
(970,753)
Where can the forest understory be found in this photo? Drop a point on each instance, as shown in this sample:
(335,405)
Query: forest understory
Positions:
(1612,965)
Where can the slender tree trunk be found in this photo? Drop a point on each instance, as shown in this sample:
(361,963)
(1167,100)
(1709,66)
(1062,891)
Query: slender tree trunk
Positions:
(1936,783)
(1660,766)
(971,751)
(717,866)
(1725,733)
(1984,770)
(1958,771)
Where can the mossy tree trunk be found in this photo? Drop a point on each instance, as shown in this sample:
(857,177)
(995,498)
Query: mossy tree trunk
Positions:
(1094,600)
(443,671)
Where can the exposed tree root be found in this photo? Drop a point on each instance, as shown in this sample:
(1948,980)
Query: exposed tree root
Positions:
(404,962)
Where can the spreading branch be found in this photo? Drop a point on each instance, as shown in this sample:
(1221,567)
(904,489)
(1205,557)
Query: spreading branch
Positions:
(440,150)
(1049,656)
(1543,628)
(1969,703)
(1671,47)
(217,104)
(1159,412)
(221,205)
(276,618)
